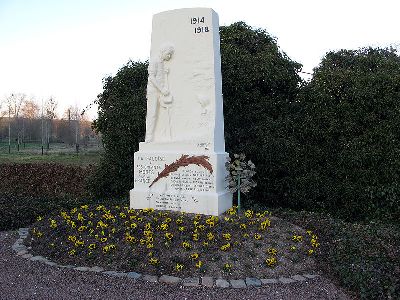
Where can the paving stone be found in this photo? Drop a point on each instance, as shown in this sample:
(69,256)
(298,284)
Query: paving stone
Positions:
(207,281)
(253,281)
(115,273)
(150,278)
(222,283)
(298,278)
(18,247)
(50,263)
(191,281)
(96,269)
(23,229)
(170,279)
(269,281)
(27,255)
(67,266)
(134,275)
(286,280)
(238,284)
(82,269)
(22,252)
(309,276)
(38,258)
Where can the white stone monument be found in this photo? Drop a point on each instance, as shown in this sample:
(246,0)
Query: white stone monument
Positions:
(181,164)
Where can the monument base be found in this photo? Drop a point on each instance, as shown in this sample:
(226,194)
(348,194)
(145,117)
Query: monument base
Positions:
(193,182)
(197,203)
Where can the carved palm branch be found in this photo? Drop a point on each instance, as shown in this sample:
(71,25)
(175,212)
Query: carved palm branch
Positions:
(184,161)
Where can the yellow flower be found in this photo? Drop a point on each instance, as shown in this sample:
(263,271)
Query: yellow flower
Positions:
(199,264)
(314,243)
(232,211)
(310,251)
(178,267)
(179,221)
(147,226)
(228,267)
(53,223)
(169,235)
(39,218)
(205,244)
(133,225)
(257,236)
(72,238)
(272,251)
(79,243)
(186,245)
(227,236)
(73,210)
(150,246)
(248,213)
(164,226)
(72,252)
(82,228)
(167,220)
(293,248)
(271,261)
(225,247)
(80,217)
(246,235)
(85,207)
(194,256)
(210,236)
(147,233)
(266,223)
(103,239)
(297,238)
(195,236)
(243,226)
(92,246)
(181,228)
(153,261)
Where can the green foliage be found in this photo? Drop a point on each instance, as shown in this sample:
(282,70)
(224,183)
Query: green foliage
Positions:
(259,83)
(364,257)
(121,121)
(347,133)
(28,190)
(239,167)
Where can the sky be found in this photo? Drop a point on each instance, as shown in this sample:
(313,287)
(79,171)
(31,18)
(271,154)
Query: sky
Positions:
(64,48)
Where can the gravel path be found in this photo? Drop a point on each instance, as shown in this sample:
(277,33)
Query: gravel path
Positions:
(24,279)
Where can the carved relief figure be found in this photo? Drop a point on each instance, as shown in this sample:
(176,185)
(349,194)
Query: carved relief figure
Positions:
(158,94)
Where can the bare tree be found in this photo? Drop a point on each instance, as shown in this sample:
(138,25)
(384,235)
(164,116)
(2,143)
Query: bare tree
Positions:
(14,104)
(50,108)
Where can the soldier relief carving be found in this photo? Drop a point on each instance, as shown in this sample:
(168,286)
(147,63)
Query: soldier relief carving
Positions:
(159,97)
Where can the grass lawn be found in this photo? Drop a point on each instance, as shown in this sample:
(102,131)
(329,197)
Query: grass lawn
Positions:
(58,153)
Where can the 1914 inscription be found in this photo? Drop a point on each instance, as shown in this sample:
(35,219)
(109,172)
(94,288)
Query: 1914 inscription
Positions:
(200,21)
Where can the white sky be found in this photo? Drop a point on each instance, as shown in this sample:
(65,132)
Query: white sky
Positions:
(65,48)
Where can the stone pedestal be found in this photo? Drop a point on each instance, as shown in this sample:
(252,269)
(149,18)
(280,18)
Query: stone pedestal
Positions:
(181,165)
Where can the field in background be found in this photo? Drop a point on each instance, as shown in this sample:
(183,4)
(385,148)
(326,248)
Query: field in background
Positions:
(57,153)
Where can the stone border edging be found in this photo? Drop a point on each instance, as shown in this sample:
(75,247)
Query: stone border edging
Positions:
(22,250)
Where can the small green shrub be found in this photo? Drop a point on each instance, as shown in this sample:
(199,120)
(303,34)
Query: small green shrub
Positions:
(365,257)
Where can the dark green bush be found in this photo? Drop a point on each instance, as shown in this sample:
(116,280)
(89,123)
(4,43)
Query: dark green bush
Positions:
(347,133)
(365,257)
(29,190)
(121,121)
